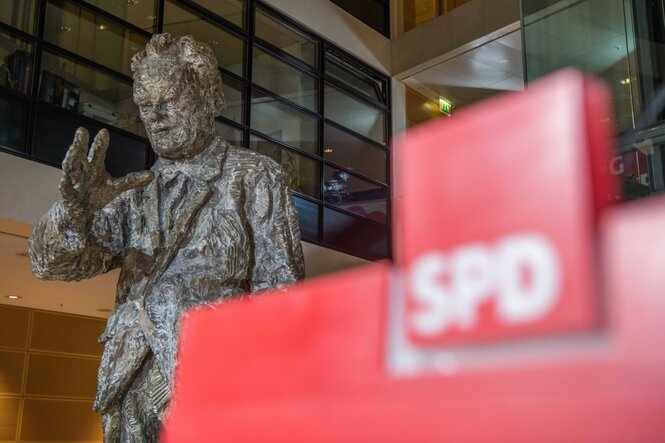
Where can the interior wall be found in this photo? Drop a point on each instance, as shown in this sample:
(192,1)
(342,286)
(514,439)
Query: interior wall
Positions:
(48,376)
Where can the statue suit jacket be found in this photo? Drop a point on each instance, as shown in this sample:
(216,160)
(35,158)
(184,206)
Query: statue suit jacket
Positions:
(205,229)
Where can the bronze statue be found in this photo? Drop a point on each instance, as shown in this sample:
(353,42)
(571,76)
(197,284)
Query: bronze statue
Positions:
(209,221)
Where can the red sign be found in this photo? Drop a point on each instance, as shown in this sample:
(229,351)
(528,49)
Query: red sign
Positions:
(497,229)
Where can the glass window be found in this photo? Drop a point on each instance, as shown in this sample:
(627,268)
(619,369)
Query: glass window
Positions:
(284,123)
(19,14)
(287,39)
(354,114)
(140,13)
(355,235)
(355,78)
(285,80)
(14,113)
(231,10)
(229,49)
(373,13)
(234,96)
(56,132)
(355,195)
(308,215)
(230,133)
(94,37)
(302,170)
(76,87)
(15,63)
(354,153)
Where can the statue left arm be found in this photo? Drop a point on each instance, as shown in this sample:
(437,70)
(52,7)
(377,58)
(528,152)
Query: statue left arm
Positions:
(278,257)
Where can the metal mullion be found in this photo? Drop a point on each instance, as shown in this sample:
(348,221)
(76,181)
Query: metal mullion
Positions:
(354,215)
(286,57)
(321,128)
(4,90)
(285,101)
(18,33)
(288,21)
(233,75)
(302,196)
(355,134)
(247,70)
(285,145)
(230,122)
(159,16)
(36,69)
(211,16)
(343,87)
(86,61)
(359,64)
(97,11)
(356,174)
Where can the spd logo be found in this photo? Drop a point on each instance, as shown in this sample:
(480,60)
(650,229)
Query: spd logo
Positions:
(513,282)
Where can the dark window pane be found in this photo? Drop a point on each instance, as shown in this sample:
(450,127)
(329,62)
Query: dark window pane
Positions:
(355,195)
(302,170)
(284,80)
(140,13)
(234,95)
(231,10)
(355,235)
(15,63)
(19,14)
(13,122)
(78,88)
(354,114)
(284,123)
(355,78)
(56,132)
(229,133)
(354,153)
(229,49)
(285,38)
(308,216)
(94,37)
(371,12)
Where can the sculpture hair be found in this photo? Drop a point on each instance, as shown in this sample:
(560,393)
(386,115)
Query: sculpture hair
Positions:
(197,60)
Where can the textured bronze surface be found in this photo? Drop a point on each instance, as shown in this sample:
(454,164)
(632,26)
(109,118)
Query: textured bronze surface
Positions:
(208,222)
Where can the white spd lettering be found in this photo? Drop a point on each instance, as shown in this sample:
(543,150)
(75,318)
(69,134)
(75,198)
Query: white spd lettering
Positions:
(448,288)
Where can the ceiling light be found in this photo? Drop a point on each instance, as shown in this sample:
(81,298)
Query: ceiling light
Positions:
(102,27)
(64,28)
(504,60)
(13,297)
(625,81)
(328,150)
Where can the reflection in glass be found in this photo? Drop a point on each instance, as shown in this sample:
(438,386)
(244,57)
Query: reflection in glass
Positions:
(285,38)
(229,133)
(355,78)
(78,30)
(13,122)
(354,114)
(354,153)
(590,35)
(19,14)
(231,10)
(302,170)
(284,80)
(355,235)
(78,88)
(284,123)
(140,13)
(228,48)
(15,63)
(355,195)
(56,131)
(234,94)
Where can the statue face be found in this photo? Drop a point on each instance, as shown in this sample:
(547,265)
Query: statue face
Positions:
(178,126)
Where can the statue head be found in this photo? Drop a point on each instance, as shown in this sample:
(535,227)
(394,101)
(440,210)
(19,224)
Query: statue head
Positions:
(178,90)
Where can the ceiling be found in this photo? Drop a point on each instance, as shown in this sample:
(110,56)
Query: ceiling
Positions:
(482,72)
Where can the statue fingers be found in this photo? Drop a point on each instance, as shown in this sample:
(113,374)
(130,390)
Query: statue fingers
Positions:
(97,152)
(73,164)
(132,181)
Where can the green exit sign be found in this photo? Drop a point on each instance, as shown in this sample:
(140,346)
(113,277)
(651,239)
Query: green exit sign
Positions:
(445,106)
